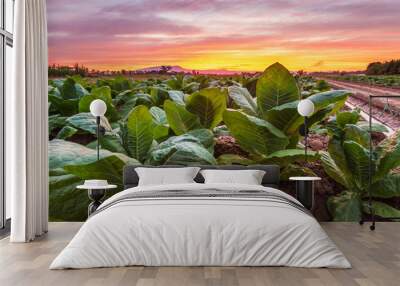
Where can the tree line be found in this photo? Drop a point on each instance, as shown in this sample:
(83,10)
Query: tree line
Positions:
(386,68)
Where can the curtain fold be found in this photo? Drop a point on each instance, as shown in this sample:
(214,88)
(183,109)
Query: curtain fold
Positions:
(27,124)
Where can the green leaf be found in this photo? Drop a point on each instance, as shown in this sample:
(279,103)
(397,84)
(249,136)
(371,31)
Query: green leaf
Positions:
(288,156)
(324,99)
(159,95)
(66,132)
(66,203)
(357,158)
(388,187)
(254,135)
(347,117)
(109,142)
(376,127)
(139,133)
(208,104)
(333,170)
(292,170)
(87,122)
(382,209)
(285,117)
(243,99)
(191,148)
(233,159)
(180,120)
(345,207)
(389,157)
(176,96)
(56,121)
(354,133)
(108,168)
(63,153)
(336,152)
(72,90)
(275,87)
(160,126)
(103,93)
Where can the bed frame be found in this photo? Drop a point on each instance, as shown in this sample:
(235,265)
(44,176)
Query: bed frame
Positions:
(271,178)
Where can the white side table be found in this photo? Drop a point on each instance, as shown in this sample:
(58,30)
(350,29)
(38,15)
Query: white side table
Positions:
(95,194)
(305,190)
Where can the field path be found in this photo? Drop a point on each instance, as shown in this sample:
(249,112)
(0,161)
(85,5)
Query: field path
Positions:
(386,111)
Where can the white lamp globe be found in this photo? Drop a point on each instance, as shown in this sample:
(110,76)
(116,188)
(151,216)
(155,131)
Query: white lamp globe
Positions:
(305,107)
(98,107)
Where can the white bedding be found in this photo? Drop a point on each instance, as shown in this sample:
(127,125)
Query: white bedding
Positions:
(200,231)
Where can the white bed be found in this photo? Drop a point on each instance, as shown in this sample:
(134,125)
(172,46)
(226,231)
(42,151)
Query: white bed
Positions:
(202,231)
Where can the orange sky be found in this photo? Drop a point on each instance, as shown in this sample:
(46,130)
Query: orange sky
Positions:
(220,34)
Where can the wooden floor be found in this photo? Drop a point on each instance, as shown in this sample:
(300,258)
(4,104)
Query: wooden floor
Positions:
(375,257)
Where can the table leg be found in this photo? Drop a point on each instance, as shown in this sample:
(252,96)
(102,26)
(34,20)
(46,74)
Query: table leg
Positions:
(95,196)
(305,193)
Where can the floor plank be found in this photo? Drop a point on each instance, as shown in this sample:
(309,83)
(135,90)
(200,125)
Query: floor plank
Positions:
(375,257)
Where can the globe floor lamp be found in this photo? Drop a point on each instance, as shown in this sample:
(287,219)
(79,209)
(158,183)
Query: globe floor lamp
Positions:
(98,108)
(305,184)
(305,108)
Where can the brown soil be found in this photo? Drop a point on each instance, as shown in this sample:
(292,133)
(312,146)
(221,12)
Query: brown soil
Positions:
(227,145)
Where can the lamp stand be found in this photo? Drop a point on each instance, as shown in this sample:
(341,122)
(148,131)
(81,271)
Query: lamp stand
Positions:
(305,138)
(98,137)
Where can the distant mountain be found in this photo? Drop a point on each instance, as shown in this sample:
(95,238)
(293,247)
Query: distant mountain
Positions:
(179,69)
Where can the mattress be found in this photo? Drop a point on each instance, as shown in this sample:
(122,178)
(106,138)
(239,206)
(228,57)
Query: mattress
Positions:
(201,225)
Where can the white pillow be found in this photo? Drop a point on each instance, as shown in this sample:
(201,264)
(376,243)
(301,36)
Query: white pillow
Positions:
(166,176)
(246,177)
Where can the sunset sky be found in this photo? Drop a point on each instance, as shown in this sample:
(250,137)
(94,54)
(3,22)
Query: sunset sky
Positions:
(245,35)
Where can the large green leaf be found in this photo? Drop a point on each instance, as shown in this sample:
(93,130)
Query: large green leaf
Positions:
(234,159)
(65,107)
(208,104)
(63,153)
(333,170)
(388,187)
(159,95)
(390,157)
(243,99)
(177,96)
(180,120)
(254,135)
(275,87)
(66,203)
(72,90)
(375,127)
(56,121)
(139,133)
(87,122)
(288,156)
(347,117)
(354,133)
(324,99)
(66,132)
(357,158)
(103,93)
(160,123)
(191,148)
(285,117)
(337,154)
(346,206)
(109,142)
(381,209)
(108,168)
(293,170)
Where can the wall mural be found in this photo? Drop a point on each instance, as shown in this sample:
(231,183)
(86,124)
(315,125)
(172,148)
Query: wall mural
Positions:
(207,112)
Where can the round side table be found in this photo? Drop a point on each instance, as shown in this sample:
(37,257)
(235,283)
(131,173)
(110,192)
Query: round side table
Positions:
(95,194)
(305,190)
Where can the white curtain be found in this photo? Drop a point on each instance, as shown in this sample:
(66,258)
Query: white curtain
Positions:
(26,119)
